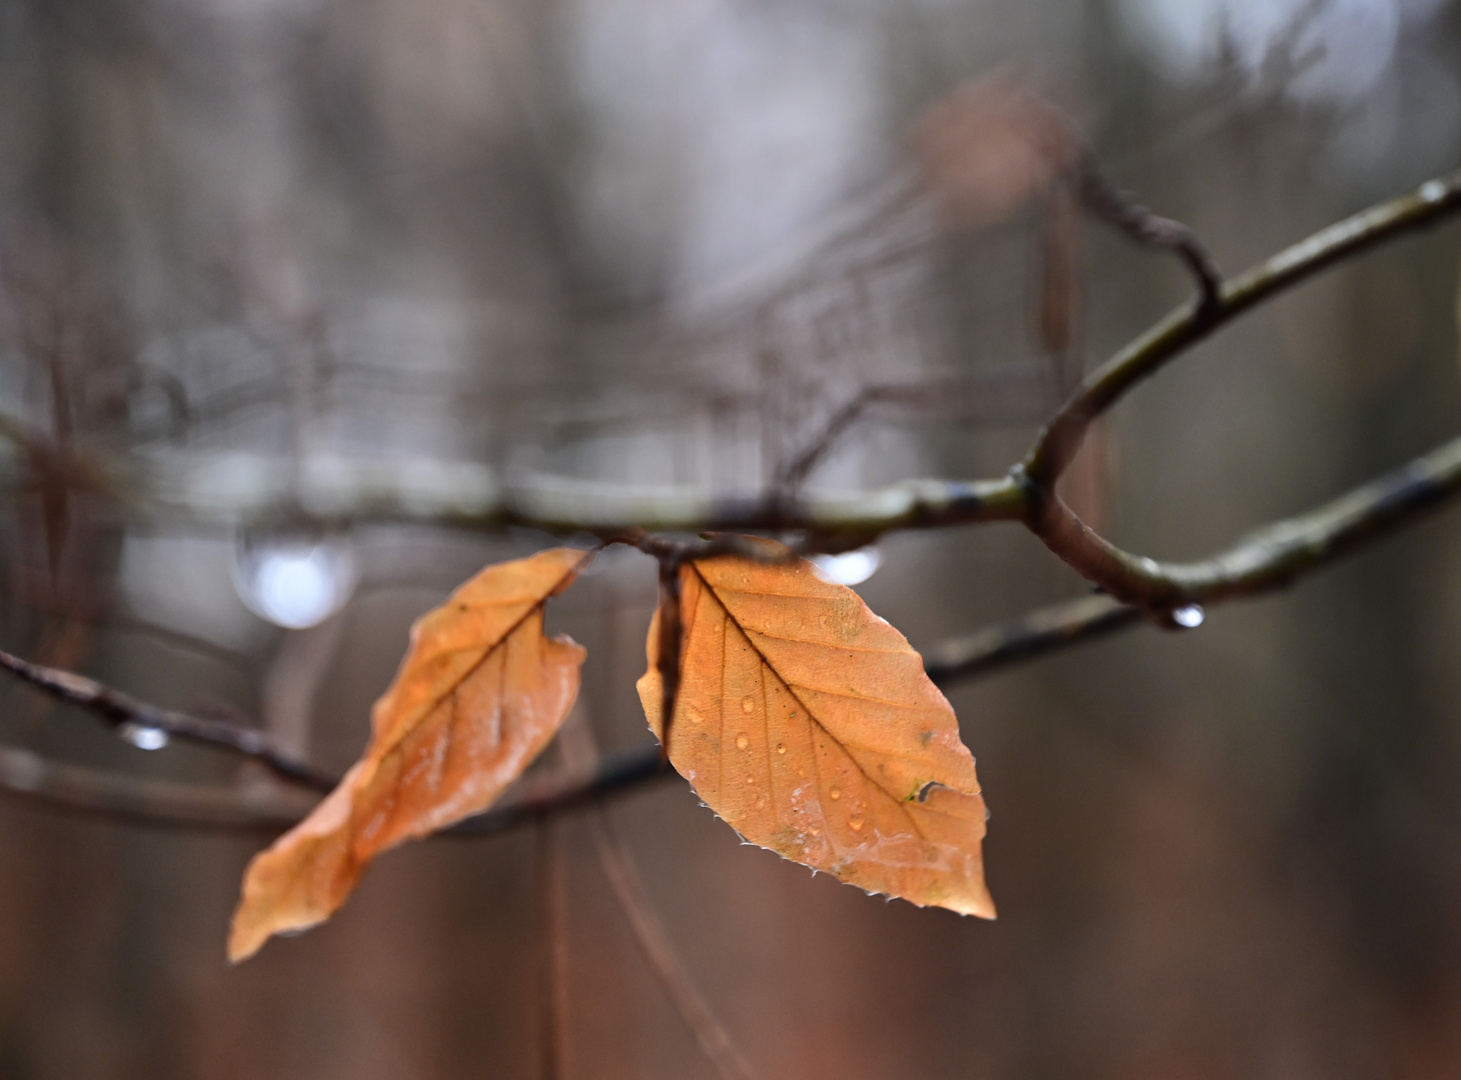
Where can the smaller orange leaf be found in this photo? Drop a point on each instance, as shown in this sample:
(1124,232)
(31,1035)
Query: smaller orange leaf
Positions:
(809,724)
(479,695)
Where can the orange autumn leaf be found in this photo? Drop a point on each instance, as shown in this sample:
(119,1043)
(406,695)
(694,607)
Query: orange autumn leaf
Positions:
(808,724)
(479,695)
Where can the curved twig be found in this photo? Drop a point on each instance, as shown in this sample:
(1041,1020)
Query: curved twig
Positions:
(1108,202)
(1270,558)
(1062,437)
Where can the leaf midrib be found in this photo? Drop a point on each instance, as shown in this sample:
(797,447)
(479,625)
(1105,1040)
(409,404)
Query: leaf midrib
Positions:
(476,665)
(811,715)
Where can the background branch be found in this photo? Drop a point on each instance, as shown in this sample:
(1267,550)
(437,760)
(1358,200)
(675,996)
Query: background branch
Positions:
(711,1036)
(237,490)
(117,709)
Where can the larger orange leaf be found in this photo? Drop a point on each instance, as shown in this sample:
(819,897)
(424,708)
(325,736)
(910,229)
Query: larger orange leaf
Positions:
(478,696)
(808,724)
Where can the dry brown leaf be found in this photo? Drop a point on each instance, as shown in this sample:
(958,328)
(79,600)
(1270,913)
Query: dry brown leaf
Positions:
(808,724)
(478,696)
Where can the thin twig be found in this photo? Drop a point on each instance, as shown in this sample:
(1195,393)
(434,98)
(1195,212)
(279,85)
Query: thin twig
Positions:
(800,467)
(1003,394)
(556,796)
(715,1043)
(578,750)
(142,801)
(118,709)
(1270,558)
(1111,204)
(196,491)
(1061,439)
(1045,630)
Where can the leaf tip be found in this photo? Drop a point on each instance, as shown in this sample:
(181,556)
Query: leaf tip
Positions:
(248,931)
(242,944)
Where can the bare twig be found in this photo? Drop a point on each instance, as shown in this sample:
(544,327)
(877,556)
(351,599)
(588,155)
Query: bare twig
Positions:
(1270,558)
(118,709)
(561,794)
(1058,443)
(715,1043)
(578,751)
(1104,200)
(800,467)
(143,801)
(197,491)
(1059,306)
(1004,393)
(1045,630)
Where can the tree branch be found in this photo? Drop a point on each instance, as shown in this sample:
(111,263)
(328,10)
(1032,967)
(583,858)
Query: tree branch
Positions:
(1270,558)
(1062,437)
(117,709)
(238,490)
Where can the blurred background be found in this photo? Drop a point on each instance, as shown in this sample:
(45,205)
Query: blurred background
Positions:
(312,283)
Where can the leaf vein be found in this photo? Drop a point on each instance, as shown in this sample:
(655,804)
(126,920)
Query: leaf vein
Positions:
(811,716)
